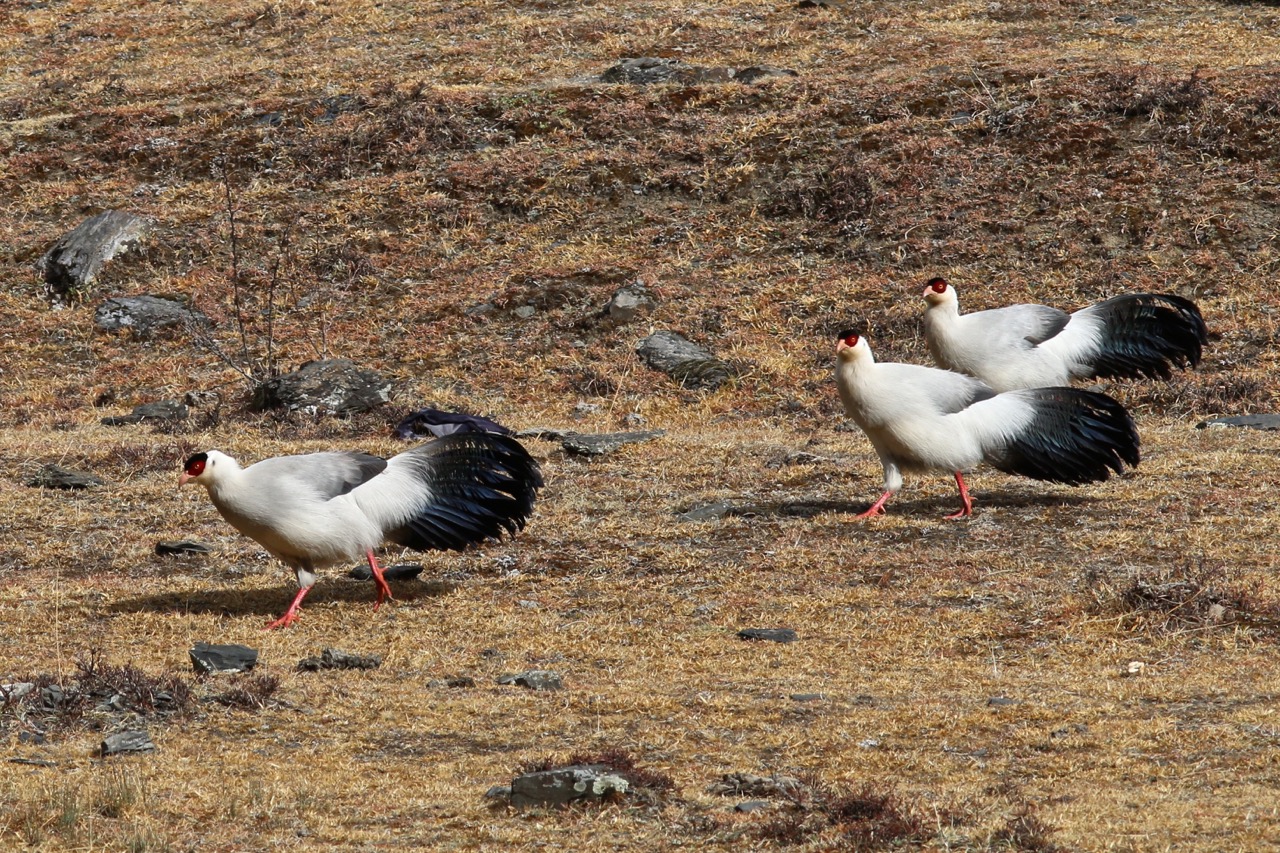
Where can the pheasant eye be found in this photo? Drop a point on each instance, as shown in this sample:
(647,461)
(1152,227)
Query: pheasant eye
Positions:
(195,465)
(849,338)
(937,285)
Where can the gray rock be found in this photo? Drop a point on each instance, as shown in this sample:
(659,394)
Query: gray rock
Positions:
(16,690)
(54,476)
(684,361)
(335,386)
(707,512)
(772,635)
(121,742)
(52,697)
(453,682)
(598,444)
(207,658)
(534,679)
(524,312)
(756,73)
(629,302)
(184,546)
(752,806)
(1265,422)
(566,785)
(145,316)
(337,659)
(644,70)
(398,572)
(1001,701)
(808,697)
(163,410)
(72,263)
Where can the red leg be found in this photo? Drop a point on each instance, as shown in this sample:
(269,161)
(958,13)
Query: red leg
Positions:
(384,591)
(876,508)
(967,509)
(290,615)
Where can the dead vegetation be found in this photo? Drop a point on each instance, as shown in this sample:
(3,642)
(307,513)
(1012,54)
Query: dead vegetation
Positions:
(445,194)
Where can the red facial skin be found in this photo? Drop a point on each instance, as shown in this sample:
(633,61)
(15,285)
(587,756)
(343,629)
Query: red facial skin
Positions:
(195,469)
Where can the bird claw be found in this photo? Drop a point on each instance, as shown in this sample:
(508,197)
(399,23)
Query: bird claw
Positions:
(283,622)
(871,513)
(960,513)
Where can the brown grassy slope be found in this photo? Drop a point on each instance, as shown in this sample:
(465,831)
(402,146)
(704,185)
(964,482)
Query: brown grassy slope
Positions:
(416,161)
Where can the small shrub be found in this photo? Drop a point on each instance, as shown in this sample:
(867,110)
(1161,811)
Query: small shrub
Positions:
(248,693)
(1186,597)
(1026,833)
(860,819)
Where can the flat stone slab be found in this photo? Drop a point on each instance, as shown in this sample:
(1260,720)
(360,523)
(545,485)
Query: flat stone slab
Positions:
(125,742)
(772,635)
(1264,422)
(598,444)
(145,316)
(163,410)
(691,365)
(645,70)
(54,476)
(209,658)
(566,785)
(184,546)
(534,679)
(333,386)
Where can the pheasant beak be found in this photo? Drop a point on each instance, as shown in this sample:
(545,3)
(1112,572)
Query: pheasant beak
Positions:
(183,479)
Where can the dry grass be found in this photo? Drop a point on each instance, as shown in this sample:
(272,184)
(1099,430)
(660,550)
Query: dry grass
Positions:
(395,165)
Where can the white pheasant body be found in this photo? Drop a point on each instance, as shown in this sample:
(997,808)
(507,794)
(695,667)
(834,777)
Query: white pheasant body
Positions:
(1033,346)
(317,509)
(921,418)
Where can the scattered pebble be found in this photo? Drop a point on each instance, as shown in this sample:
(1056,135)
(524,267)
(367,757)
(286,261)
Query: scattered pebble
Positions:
(338,659)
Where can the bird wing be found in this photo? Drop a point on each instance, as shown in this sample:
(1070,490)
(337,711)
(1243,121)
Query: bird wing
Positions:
(440,423)
(321,475)
(1020,326)
(927,389)
(456,491)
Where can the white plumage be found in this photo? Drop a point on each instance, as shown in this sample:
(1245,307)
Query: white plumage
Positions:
(922,419)
(1032,346)
(317,509)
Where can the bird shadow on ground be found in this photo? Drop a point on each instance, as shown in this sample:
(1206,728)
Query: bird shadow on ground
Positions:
(234,602)
(806,508)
